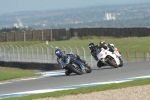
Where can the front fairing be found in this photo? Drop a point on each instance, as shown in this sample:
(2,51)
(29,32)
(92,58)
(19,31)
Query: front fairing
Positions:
(101,53)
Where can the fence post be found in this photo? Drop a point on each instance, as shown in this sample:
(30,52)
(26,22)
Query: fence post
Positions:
(8,52)
(148,56)
(13,51)
(70,49)
(136,55)
(42,55)
(22,53)
(64,48)
(17,54)
(145,55)
(53,54)
(77,50)
(27,53)
(31,54)
(84,52)
(37,54)
(128,55)
(47,49)
(4,53)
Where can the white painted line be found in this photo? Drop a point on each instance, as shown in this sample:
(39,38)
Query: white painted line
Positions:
(19,94)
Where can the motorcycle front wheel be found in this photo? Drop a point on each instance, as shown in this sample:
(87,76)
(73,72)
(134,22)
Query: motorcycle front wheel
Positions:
(88,69)
(112,63)
(76,69)
(121,62)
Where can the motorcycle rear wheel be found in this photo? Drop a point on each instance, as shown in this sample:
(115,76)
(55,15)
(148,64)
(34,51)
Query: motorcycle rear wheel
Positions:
(99,64)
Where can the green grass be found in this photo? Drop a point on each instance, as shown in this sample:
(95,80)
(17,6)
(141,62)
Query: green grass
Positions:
(84,90)
(7,73)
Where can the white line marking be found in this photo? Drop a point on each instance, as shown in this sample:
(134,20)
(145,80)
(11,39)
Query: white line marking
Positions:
(19,94)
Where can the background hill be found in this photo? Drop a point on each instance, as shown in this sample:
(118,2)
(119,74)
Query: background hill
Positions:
(127,15)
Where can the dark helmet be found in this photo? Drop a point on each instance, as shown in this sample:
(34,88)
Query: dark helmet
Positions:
(102,42)
(58,53)
(91,46)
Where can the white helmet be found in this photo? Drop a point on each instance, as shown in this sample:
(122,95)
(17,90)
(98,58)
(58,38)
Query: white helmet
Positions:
(112,45)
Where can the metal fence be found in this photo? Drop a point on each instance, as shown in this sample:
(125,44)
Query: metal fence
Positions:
(46,54)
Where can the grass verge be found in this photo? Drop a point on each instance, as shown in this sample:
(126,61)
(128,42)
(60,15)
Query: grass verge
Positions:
(7,73)
(84,90)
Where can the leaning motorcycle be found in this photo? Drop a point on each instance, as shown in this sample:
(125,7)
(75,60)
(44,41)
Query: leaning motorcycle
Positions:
(75,65)
(107,58)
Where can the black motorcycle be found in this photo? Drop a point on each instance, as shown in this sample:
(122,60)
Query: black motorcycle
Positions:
(75,65)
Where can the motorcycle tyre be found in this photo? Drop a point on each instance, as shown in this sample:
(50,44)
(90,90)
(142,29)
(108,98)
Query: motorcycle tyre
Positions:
(99,64)
(121,62)
(112,63)
(88,69)
(73,69)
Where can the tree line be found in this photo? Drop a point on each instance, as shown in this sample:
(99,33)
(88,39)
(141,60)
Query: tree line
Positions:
(15,29)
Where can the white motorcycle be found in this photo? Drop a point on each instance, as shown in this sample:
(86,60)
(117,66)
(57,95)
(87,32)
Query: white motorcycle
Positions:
(107,58)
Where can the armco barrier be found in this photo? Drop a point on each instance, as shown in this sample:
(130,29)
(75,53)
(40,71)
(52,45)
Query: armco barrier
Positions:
(28,65)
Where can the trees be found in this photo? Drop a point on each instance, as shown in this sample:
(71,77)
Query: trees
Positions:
(14,29)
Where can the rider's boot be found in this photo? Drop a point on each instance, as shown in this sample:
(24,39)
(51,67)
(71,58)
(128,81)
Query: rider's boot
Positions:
(83,69)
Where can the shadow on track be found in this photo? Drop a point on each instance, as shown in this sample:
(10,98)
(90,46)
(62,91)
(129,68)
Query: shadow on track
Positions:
(103,68)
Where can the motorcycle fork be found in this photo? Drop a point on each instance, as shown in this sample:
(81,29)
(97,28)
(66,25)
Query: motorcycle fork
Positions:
(107,58)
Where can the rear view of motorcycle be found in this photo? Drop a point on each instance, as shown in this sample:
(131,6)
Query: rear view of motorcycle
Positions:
(75,65)
(105,57)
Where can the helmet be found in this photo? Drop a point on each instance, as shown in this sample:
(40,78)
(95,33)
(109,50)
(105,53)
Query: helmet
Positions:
(102,42)
(91,46)
(58,53)
(112,45)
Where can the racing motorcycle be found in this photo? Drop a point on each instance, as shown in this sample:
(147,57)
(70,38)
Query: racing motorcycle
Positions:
(76,64)
(106,57)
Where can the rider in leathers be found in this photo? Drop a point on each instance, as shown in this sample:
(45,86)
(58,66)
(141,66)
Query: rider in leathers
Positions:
(64,59)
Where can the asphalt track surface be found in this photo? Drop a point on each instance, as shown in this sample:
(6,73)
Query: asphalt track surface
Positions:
(103,74)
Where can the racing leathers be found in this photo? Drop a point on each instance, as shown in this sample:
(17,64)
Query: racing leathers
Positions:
(107,47)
